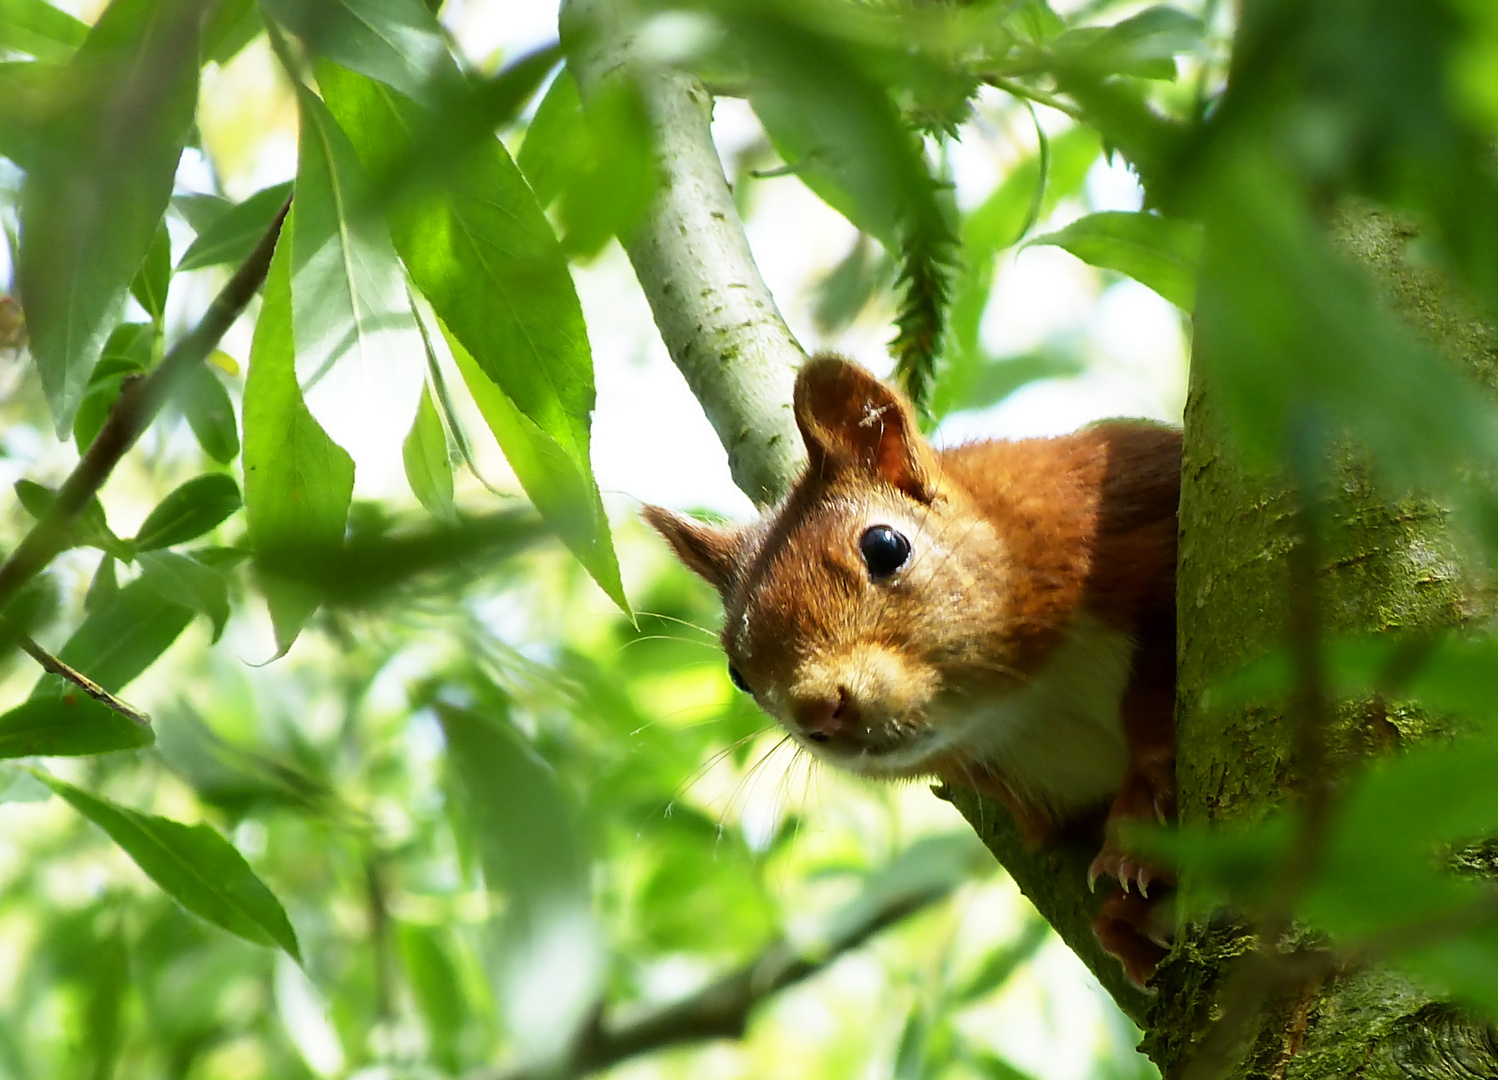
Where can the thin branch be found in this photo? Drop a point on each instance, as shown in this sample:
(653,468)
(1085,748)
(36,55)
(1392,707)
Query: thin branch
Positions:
(714,311)
(137,406)
(57,667)
(720,1010)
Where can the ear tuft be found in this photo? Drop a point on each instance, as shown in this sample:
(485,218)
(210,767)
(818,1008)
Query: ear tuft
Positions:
(709,551)
(849,419)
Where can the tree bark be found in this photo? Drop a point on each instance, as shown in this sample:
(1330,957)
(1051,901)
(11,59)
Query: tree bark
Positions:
(1381,566)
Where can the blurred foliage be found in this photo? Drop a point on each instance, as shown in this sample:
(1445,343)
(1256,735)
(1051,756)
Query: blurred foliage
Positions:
(479,817)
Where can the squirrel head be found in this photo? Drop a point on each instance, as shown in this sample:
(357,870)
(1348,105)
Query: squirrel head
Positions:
(868,609)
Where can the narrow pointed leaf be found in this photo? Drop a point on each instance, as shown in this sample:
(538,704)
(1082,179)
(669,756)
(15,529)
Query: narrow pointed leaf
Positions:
(397,42)
(233,234)
(155,275)
(189,511)
(210,413)
(184,580)
(484,255)
(194,865)
(297,482)
(358,354)
(68,726)
(121,640)
(429,468)
(530,849)
(38,28)
(91,203)
(1159,252)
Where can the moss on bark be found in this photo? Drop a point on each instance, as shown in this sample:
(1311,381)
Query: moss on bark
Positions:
(1385,565)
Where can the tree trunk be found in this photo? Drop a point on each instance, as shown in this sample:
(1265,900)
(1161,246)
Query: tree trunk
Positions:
(1379,567)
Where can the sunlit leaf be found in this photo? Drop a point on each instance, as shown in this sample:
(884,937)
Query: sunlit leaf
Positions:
(91,203)
(194,865)
(429,470)
(298,482)
(397,42)
(358,354)
(566,496)
(233,234)
(485,257)
(68,726)
(185,581)
(557,140)
(91,529)
(1153,250)
(189,511)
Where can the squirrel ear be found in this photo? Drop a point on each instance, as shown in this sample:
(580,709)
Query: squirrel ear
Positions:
(849,418)
(709,552)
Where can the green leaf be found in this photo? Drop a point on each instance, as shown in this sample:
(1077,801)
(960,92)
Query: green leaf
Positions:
(834,124)
(28,89)
(202,211)
(189,511)
(397,42)
(91,530)
(91,204)
(1145,44)
(155,275)
(483,254)
(599,163)
(1156,251)
(566,496)
(557,141)
(233,234)
(210,413)
(437,987)
(232,24)
(104,587)
(428,466)
(530,849)
(184,580)
(297,482)
(357,350)
(194,865)
(68,726)
(38,28)
(117,643)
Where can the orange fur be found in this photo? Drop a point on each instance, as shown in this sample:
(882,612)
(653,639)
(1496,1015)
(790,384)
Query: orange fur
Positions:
(1026,647)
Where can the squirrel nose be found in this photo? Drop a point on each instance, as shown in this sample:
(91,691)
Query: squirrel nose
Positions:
(824,716)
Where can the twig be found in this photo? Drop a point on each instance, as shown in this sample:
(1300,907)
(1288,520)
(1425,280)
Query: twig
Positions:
(55,666)
(137,406)
(721,1009)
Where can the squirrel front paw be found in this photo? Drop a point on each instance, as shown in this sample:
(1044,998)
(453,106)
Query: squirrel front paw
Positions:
(1135,930)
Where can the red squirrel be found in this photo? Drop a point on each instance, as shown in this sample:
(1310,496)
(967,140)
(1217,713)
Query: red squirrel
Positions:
(999,615)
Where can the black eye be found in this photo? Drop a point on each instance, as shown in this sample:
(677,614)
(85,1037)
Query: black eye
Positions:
(737,678)
(884,550)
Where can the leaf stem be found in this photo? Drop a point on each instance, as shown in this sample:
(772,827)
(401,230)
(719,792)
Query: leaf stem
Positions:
(1040,97)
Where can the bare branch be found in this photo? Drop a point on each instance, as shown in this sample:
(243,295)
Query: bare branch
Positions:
(721,1009)
(693,261)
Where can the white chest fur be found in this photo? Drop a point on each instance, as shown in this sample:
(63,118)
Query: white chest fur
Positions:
(1059,739)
